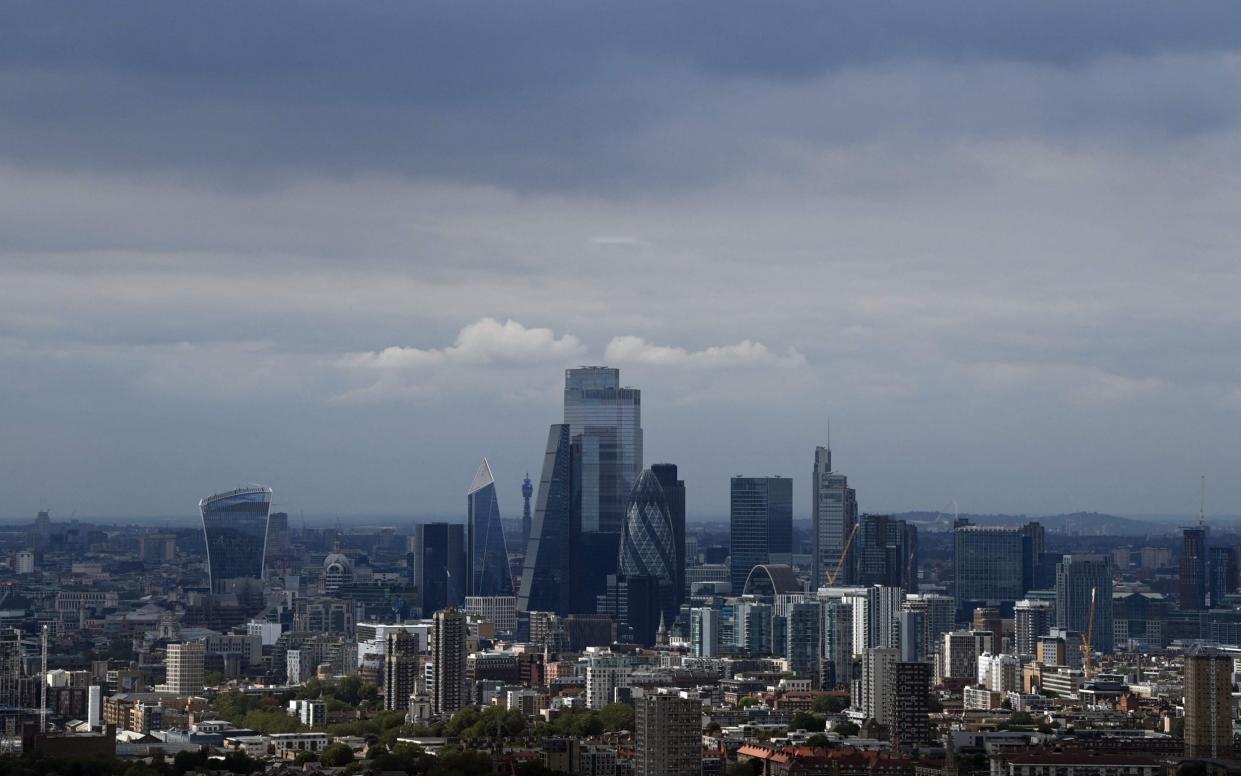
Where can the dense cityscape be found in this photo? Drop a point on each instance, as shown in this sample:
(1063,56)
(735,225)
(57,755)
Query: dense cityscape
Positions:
(576,623)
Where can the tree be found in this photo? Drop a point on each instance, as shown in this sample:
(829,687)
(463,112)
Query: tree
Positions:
(616,716)
(336,755)
(831,704)
(803,720)
(1020,718)
(819,740)
(747,701)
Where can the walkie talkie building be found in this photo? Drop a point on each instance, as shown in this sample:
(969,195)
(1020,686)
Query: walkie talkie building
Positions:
(235,527)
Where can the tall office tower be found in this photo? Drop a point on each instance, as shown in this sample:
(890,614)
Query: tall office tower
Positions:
(1192,587)
(938,617)
(990,566)
(704,631)
(1222,571)
(1208,705)
(486,562)
(448,643)
(667,736)
(1035,547)
(184,665)
(837,642)
(547,577)
(527,490)
(760,524)
(648,541)
(277,538)
(885,552)
(833,510)
(988,619)
(439,555)
(235,528)
(674,492)
(878,687)
(400,669)
(1032,620)
(752,632)
(1077,577)
(606,420)
(803,625)
(911,720)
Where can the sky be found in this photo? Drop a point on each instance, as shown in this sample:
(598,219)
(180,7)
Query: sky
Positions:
(347,250)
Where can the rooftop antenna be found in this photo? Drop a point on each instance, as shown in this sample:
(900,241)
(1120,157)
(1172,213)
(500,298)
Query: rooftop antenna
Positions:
(1202,504)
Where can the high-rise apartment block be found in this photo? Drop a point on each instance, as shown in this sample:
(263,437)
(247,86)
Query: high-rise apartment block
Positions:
(184,665)
(1208,706)
(667,736)
(448,647)
(760,524)
(400,669)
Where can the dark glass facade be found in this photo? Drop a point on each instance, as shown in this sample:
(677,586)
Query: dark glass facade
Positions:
(1078,577)
(606,421)
(487,562)
(760,524)
(547,580)
(834,512)
(235,529)
(1192,585)
(648,543)
(674,494)
(439,555)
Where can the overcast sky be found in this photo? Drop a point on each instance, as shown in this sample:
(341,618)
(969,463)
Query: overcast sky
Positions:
(348,249)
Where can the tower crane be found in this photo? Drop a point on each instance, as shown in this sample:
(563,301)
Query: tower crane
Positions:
(831,577)
(1087,649)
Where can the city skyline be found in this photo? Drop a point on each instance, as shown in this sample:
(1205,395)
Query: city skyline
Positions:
(997,256)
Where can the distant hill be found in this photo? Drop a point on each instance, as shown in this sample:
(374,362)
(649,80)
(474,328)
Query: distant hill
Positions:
(1076,523)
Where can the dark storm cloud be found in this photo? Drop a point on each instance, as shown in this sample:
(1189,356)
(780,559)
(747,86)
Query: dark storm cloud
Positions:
(534,94)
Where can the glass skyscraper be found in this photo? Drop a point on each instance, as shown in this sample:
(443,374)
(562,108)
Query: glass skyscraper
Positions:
(235,529)
(487,560)
(439,557)
(760,525)
(674,492)
(1077,578)
(991,566)
(606,420)
(648,542)
(833,511)
(547,582)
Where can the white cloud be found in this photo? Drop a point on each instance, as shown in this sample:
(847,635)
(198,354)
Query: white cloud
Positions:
(486,341)
(746,353)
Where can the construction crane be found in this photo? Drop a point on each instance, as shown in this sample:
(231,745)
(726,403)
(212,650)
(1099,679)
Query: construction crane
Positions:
(831,577)
(1087,650)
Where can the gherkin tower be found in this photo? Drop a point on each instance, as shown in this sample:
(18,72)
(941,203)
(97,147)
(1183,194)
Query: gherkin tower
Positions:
(648,542)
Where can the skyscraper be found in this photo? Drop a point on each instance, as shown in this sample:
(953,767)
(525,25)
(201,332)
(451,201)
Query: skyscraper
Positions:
(448,643)
(1208,705)
(547,574)
(439,557)
(1192,587)
(606,420)
(674,493)
(667,736)
(877,699)
(760,524)
(487,561)
(990,566)
(184,664)
(837,642)
(648,542)
(886,553)
(1032,620)
(1078,578)
(1222,573)
(527,490)
(833,511)
(400,669)
(235,528)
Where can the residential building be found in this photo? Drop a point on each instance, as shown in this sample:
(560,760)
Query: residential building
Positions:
(1208,706)
(448,652)
(667,736)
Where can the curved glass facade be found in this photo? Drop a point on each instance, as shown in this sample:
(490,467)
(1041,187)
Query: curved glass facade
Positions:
(488,554)
(235,528)
(648,544)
